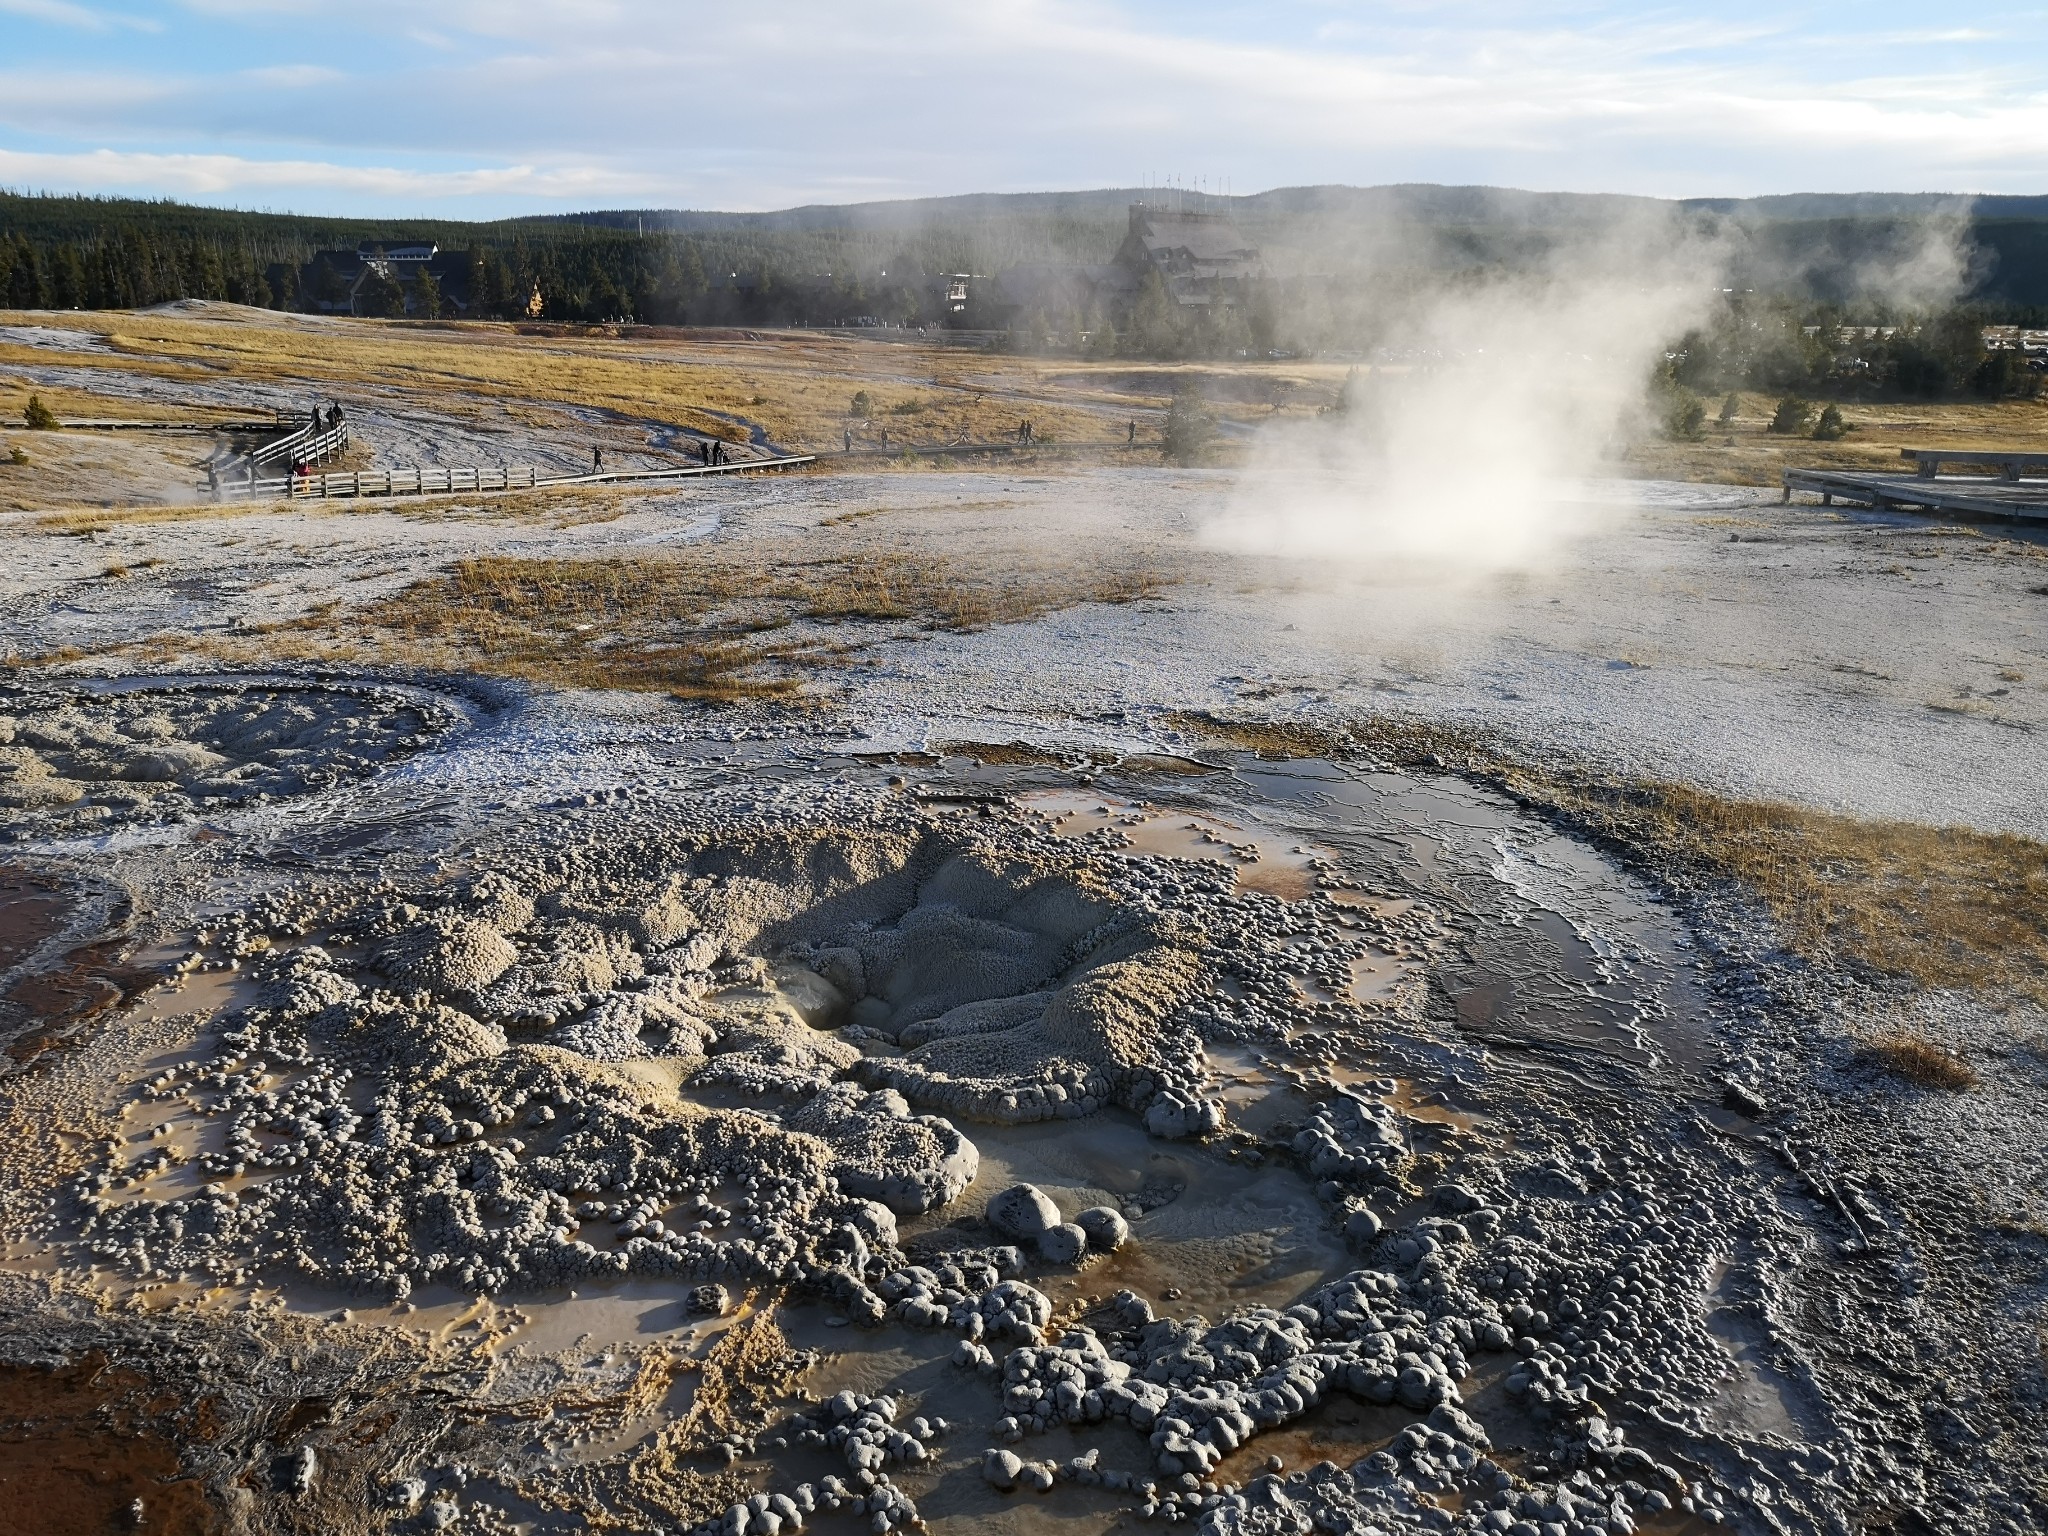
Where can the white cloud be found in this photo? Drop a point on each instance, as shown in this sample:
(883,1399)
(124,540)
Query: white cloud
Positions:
(702,105)
(293,76)
(64,14)
(197,175)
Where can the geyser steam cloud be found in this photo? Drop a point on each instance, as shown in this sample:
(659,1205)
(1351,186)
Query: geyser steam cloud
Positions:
(1468,456)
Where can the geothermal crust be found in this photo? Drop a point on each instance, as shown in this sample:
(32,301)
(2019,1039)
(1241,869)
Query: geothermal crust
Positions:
(744,1042)
(79,759)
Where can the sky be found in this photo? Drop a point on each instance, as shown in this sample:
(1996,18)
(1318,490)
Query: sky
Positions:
(488,108)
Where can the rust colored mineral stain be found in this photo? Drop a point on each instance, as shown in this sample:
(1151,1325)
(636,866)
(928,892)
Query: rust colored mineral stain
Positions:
(31,911)
(81,1445)
(52,1003)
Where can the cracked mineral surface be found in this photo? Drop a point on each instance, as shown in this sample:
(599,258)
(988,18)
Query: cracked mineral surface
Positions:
(437,1104)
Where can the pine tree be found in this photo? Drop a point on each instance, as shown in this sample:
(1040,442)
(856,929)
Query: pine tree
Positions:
(28,288)
(1189,426)
(67,279)
(1792,417)
(379,294)
(426,295)
(1152,331)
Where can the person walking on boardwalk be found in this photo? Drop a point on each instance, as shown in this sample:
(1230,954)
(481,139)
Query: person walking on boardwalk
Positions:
(1131,432)
(597,461)
(849,439)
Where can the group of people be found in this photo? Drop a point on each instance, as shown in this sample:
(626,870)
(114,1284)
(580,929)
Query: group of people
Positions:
(711,450)
(302,466)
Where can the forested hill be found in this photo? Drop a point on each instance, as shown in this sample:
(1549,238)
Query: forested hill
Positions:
(114,253)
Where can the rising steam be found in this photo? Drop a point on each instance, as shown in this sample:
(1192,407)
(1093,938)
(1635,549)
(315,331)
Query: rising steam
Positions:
(1468,455)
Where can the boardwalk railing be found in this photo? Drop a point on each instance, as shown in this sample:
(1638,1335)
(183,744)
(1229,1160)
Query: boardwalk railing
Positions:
(308,442)
(420,480)
(308,445)
(2010,466)
(2006,499)
(278,421)
(416,481)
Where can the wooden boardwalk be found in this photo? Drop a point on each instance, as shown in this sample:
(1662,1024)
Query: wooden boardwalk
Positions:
(460,479)
(276,423)
(2007,494)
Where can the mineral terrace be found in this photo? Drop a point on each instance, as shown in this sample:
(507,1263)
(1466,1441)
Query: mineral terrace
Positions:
(1205,1057)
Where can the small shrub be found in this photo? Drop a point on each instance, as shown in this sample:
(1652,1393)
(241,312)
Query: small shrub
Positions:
(863,406)
(38,416)
(1830,426)
(1189,426)
(1792,418)
(16,456)
(1921,1062)
(1731,407)
(1684,415)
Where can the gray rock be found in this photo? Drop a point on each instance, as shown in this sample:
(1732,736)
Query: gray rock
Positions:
(708,1301)
(1023,1213)
(1065,1243)
(1459,1425)
(1106,1228)
(1362,1225)
(1742,1100)
(297,1470)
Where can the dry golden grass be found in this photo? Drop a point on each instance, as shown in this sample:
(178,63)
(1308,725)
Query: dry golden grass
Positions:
(1755,456)
(1942,906)
(85,521)
(1921,1061)
(702,629)
(799,386)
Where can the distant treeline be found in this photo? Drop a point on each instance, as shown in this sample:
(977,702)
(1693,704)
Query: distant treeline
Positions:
(104,253)
(887,263)
(1823,352)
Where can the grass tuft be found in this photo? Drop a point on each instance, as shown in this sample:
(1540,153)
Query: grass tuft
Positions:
(1921,1061)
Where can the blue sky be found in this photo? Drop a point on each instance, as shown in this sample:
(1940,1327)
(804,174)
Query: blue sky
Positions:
(480,108)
